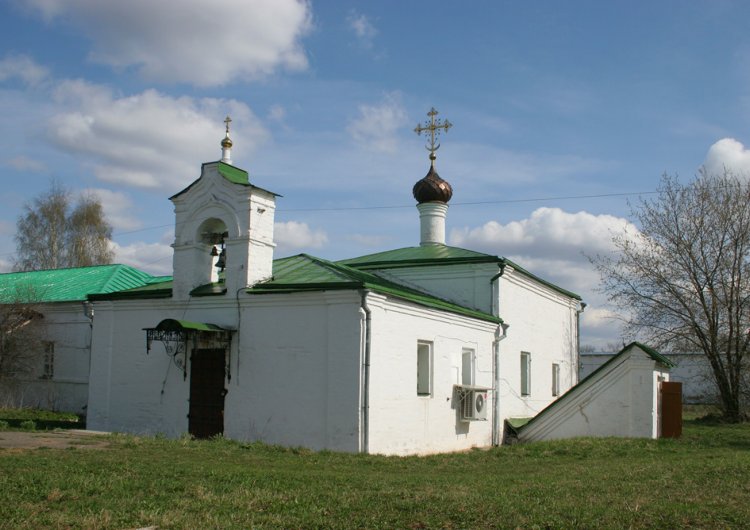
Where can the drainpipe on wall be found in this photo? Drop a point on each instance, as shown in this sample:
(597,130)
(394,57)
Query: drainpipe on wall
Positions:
(495,305)
(365,426)
(496,382)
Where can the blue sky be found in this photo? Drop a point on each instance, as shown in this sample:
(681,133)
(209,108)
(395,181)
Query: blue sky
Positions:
(559,109)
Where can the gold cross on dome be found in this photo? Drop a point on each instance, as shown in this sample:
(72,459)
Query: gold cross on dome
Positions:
(433,128)
(228,120)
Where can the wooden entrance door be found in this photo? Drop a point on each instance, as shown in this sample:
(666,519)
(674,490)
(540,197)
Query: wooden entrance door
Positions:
(206,417)
(671,409)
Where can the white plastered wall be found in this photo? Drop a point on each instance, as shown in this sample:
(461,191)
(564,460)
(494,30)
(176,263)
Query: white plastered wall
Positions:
(543,323)
(402,422)
(464,284)
(66,325)
(621,399)
(294,382)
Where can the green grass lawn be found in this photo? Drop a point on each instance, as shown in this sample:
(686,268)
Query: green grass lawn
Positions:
(43,419)
(701,481)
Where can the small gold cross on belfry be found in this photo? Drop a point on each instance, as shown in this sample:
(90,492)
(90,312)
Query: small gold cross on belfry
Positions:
(228,120)
(433,128)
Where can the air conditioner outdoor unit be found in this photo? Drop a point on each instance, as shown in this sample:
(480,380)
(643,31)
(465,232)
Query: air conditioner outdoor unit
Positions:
(473,403)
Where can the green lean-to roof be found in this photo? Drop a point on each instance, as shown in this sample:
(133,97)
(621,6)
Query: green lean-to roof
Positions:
(655,355)
(69,285)
(435,255)
(307,273)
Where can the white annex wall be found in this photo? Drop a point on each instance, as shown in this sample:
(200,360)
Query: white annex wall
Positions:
(66,325)
(402,422)
(541,322)
(294,382)
(621,399)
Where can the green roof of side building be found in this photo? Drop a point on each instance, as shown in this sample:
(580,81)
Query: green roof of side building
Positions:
(70,285)
(433,255)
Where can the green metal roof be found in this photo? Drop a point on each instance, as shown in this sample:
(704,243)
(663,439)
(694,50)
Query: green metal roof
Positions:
(158,288)
(233,174)
(435,255)
(417,256)
(655,355)
(307,273)
(69,285)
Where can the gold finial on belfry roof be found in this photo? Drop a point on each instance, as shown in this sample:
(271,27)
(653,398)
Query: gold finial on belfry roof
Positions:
(433,127)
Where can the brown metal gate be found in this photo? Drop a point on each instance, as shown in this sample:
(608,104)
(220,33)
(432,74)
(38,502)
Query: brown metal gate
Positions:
(671,409)
(206,417)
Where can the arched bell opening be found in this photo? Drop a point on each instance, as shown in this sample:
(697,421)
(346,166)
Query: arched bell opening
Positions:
(213,234)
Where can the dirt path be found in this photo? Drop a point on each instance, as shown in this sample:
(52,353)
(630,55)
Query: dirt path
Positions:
(62,439)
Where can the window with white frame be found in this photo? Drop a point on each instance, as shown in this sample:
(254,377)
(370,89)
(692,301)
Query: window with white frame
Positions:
(48,366)
(525,373)
(468,366)
(424,368)
(555,379)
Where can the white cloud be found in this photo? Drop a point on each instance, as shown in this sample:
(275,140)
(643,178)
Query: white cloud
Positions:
(149,139)
(292,236)
(117,208)
(201,42)
(24,163)
(5,265)
(377,125)
(154,258)
(730,154)
(547,233)
(23,68)
(362,28)
(553,244)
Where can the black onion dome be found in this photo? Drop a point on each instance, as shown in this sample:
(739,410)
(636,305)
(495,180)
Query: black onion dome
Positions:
(432,188)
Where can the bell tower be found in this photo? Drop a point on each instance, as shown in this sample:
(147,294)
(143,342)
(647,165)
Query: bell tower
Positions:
(223,230)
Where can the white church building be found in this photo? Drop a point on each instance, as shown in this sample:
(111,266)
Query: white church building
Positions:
(415,350)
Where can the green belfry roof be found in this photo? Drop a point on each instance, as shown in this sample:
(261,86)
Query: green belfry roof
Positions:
(231,173)
(70,285)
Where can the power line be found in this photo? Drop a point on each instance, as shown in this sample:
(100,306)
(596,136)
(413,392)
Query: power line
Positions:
(506,201)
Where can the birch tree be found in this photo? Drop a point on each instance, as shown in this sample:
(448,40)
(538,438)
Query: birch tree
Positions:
(53,233)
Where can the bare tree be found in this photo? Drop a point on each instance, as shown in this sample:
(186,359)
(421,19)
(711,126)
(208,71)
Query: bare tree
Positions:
(89,234)
(51,234)
(684,279)
(22,335)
